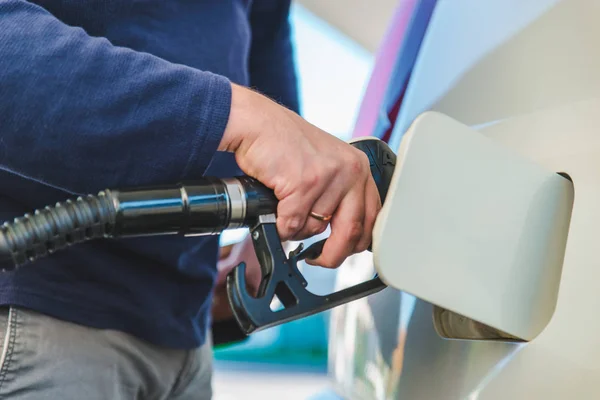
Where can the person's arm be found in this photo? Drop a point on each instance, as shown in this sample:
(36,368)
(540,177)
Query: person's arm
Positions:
(272,64)
(82,115)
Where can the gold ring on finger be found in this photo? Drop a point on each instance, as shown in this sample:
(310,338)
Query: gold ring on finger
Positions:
(320,217)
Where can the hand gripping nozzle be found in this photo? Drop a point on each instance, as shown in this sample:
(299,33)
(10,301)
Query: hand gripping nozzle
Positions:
(281,277)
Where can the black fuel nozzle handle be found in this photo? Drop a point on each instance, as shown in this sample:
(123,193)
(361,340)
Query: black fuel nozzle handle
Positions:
(281,277)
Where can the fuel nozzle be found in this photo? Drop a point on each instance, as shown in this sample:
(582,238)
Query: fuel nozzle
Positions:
(205,207)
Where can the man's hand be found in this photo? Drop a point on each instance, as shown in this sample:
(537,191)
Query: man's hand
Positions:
(309,171)
(229,257)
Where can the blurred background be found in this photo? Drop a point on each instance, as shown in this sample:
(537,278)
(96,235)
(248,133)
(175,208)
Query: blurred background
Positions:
(335,44)
(370,68)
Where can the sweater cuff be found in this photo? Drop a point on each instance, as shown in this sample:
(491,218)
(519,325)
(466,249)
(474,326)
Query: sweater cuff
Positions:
(208,117)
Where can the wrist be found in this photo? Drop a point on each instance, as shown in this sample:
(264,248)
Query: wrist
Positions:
(244,118)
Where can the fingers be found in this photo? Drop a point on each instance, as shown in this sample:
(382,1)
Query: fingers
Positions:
(352,230)
(372,208)
(326,206)
(293,211)
(347,229)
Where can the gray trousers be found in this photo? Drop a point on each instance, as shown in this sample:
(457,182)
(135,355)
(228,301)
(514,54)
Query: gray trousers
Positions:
(45,358)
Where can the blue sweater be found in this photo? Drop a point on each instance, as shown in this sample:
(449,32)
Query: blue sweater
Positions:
(99,94)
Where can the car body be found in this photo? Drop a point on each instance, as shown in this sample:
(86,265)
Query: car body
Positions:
(515,71)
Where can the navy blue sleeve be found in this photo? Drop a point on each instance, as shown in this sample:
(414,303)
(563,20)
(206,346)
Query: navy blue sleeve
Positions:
(81,115)
(272,62)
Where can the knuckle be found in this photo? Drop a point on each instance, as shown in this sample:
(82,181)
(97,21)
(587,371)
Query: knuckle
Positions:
(363,245)
(294,223)
(288,226)
(355,230)
(355,166)
(334,165)
(364,158)
(310,178)
(358,164)
(284,188)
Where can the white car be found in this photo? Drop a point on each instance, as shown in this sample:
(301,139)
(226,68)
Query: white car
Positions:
(527,75)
